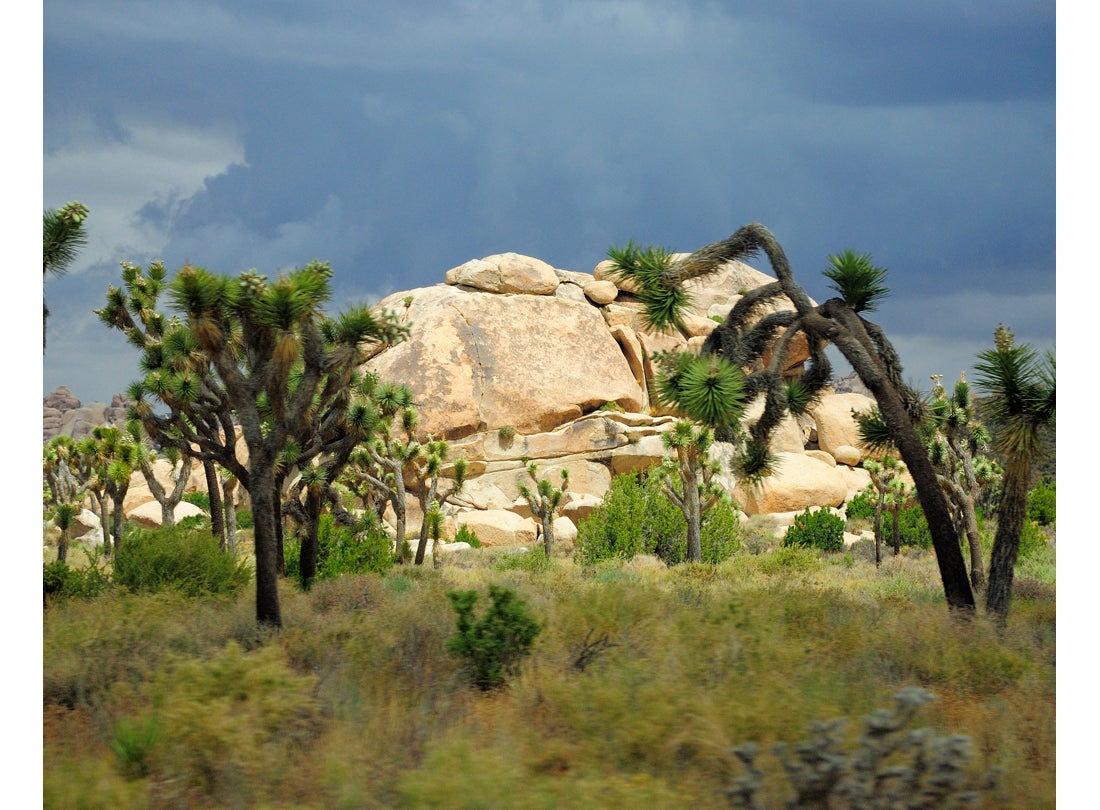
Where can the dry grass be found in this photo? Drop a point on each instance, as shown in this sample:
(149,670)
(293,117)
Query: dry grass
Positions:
(357,703)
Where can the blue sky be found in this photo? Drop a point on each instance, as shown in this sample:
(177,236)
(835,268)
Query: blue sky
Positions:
(397,140)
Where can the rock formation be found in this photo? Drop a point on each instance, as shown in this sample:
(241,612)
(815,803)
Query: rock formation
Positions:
(511,359)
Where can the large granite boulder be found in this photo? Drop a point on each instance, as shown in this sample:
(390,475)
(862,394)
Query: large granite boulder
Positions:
(800,481)
(837,427)
(478,361)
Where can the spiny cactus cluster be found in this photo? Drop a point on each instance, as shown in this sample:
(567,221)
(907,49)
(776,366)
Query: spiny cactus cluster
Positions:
(891,767)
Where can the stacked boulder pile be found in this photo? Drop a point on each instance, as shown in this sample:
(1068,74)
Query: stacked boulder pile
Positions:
(512,360)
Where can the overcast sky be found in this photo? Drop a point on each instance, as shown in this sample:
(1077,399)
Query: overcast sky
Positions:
(399,139)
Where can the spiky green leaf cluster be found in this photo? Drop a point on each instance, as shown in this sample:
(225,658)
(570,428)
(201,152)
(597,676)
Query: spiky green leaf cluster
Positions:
(664,301)
(707,389)
(857,280)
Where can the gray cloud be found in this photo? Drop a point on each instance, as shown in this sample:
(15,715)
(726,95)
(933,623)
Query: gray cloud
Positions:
(397,140)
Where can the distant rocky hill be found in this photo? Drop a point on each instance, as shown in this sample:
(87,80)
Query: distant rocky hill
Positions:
(63,413)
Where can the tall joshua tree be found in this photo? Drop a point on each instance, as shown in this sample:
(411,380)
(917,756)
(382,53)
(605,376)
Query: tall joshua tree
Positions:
(660,282)
(62,236)
(1021,402)
(250,351)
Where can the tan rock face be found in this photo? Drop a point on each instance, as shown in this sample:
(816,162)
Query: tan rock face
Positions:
(477,361)
(506,273)
(497,527)
(836,426)
(800,481)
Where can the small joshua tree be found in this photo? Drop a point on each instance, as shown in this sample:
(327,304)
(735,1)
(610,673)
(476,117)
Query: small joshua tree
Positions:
(545,500)
(429,467)
(889,489)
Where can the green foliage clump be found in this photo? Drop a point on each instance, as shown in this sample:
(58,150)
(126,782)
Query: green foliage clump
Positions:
(913,527)
(357,549)
(1042,503)
(862,506)
(244,519)
(819,529)
(180,559)
(199,499)
(61,581)
(1032,540)
(531,561)
(467,535)
(493,646)
(636,518)
(932,772)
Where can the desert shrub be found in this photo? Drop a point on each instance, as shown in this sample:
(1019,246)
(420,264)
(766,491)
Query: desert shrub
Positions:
(721,533)
(912,526)
(862,506)
(180,559)
(931,771)
(199,499)
(467,535)
(636,518)
(493,646)
(1042,503)
(357,549)
(819,529)
(61,581)
(244,519)
(134,742)
(1032,540)
(788,558)
(194,522)
(518,560)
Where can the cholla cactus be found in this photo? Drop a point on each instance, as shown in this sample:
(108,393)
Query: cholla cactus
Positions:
(891,769)
(545,501)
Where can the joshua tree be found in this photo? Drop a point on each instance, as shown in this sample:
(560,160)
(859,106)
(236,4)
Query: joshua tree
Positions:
(63,517)
(545,500)
(180,475)
(251,352)
(1021,390)
(122,454)
(886,478)
(430,497)
(62,236)
(660,283)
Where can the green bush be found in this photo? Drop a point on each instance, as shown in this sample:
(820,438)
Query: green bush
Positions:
(61,581)
(244,519)
(358,549)
(862,506)
(531,561)
(180,559)
(493,647)
(820,529)
(199,499)
(1032,540)
(467,535)
(912,526)
(636,518)
(1042,503)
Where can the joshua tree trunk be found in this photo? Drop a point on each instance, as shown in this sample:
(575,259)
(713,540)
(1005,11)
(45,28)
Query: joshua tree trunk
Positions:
(846,331)
(1006,543)
(692,515)
(229,488)
(307,559)
(880,505)
(264,508)
(548,532)
(213,492)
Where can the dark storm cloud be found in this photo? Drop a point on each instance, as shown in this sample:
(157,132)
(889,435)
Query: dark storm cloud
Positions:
(397,140)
